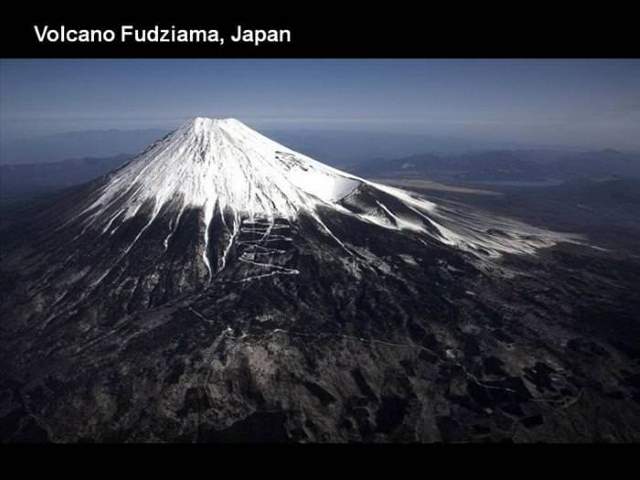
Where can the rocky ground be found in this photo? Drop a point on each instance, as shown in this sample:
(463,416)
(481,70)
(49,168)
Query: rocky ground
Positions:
(414,344)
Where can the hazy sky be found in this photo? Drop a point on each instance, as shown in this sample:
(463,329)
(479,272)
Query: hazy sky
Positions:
(591,103)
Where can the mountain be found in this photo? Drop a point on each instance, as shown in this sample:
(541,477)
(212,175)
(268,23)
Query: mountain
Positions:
(222,287)
(20,181)
(82,144)
(506,166)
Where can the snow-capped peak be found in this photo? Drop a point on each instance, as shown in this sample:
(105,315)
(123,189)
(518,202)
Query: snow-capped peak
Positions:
(211,161)
(222,165)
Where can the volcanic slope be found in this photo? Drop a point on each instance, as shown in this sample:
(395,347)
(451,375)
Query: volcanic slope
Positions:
(223,287)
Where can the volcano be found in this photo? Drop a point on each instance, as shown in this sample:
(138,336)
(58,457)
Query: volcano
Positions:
(223,287)
(215,200)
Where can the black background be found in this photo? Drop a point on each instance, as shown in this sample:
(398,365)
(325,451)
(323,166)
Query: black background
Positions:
(428,30)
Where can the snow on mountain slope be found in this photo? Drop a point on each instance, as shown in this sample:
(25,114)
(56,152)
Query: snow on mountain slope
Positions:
(217,204)
(209,160)
(221,166)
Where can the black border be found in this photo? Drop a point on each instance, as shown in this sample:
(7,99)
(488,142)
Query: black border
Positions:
(327,461)
(321,30)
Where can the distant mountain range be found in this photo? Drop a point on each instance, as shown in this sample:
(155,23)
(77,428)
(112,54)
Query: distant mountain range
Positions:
(17,181)
(334,147)
(507,165)
(90,143)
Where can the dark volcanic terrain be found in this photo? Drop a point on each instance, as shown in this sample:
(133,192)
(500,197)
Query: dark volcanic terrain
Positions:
(359,319)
